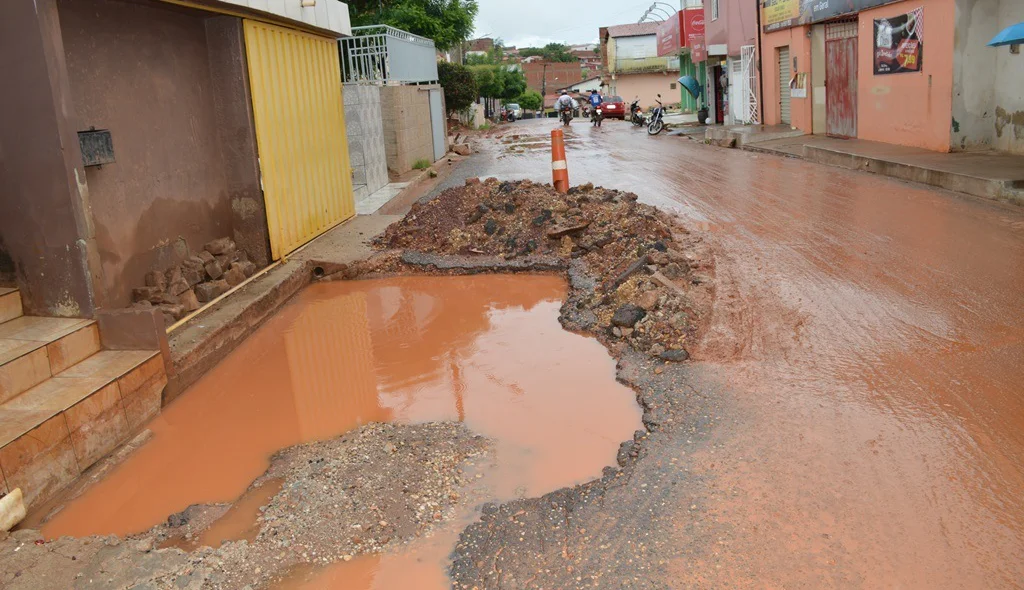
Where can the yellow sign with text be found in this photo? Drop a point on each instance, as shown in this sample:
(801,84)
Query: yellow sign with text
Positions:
(776,14)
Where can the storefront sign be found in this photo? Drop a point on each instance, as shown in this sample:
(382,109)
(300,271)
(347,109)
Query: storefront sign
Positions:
(684,29)
(669,35)
(779,14)
(899,44)
(783,14)
(693,26)
(698,49)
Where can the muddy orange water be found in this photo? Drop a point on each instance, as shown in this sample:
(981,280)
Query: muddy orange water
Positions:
(486,350)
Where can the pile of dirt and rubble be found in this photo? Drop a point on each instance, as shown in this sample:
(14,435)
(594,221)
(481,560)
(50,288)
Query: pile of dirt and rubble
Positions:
(369,489)
(200,278)
(637,276)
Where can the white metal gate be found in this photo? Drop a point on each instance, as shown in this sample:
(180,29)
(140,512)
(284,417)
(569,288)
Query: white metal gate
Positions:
(749,72)
(736,106)
(437,124)
(784,75)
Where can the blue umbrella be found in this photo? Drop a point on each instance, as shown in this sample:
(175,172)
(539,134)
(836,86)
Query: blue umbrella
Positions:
(691,85)
(1011,35)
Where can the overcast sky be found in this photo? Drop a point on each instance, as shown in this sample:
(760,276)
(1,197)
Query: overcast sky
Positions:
(534,23)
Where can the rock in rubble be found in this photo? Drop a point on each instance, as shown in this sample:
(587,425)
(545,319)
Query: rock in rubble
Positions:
(673,270)
(648,300)
(172,312)
(194,276)
(568,228)
(490,227)
(156,279)
(189,300)
(178,286)
(461,149)
(206,257)
(627,315)
(220,246)
(234,276)
(477,213)
(248,268)
(674,356)
(214,270)
(173,274)
(146,293)
(472,181)
(211,290)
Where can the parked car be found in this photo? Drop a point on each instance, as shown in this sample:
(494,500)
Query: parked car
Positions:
(514,109)
(614,108)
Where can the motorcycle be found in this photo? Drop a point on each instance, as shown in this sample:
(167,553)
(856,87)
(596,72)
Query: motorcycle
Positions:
(657,118)
(566,115)
(596,116)
(636,115)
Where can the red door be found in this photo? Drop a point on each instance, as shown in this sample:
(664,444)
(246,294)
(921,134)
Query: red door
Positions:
(841,79)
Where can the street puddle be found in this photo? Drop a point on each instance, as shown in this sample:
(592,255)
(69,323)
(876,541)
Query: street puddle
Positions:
(485,350)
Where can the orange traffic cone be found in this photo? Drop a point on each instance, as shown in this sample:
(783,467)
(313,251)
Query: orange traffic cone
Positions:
(559,169)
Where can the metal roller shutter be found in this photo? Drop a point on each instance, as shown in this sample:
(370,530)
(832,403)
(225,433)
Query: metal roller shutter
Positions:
(784,76)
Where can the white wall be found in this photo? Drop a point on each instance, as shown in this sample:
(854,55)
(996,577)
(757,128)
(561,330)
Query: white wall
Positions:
(329,15)
(988,82)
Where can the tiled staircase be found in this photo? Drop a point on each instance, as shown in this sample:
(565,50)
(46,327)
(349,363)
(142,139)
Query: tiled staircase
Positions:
(64,402)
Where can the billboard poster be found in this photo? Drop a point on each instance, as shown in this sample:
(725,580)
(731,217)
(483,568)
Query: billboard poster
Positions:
(669,35)
(899,44)
(783,14)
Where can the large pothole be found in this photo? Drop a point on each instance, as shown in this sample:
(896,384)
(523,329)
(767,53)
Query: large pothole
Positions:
(486,351)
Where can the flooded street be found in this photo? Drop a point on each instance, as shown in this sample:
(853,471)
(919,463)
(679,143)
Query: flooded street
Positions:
(867,340)
(851,415)
(487,351)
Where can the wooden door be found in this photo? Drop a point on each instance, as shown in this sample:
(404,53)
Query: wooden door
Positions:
(841,79)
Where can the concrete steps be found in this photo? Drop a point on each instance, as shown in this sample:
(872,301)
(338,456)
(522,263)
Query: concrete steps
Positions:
(65,402)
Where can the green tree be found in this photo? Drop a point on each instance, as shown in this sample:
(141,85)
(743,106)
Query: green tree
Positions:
(531,100)
(495,81)
(460,89)
(447,22)
(551,52)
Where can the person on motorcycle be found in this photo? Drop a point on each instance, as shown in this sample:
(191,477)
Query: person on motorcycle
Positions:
(595,103)
(563,102)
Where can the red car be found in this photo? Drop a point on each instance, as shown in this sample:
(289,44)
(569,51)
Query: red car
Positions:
(614,108)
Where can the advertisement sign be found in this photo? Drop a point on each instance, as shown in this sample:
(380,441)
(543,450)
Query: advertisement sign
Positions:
(669,35)
(899,44)
(693,26)
(782,14)
(698,49)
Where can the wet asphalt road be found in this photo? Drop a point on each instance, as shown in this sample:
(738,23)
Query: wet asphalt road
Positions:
(853,416)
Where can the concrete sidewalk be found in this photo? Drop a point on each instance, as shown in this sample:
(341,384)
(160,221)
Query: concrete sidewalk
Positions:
(984,174)
(741,135)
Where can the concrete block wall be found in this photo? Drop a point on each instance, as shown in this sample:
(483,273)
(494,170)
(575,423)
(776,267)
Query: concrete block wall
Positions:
(365,129)
(406,115)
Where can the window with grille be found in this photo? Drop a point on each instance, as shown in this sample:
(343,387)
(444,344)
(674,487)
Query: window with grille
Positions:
(714,9)
(844,29)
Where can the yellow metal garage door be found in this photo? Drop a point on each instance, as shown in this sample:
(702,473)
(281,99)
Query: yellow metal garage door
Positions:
(300,130)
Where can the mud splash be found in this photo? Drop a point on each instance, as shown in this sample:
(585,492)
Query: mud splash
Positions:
(485,350)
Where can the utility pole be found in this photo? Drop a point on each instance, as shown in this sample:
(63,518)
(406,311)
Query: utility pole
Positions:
(543,84)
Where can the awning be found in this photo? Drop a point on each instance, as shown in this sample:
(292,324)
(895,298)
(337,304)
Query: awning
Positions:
(1011,35)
